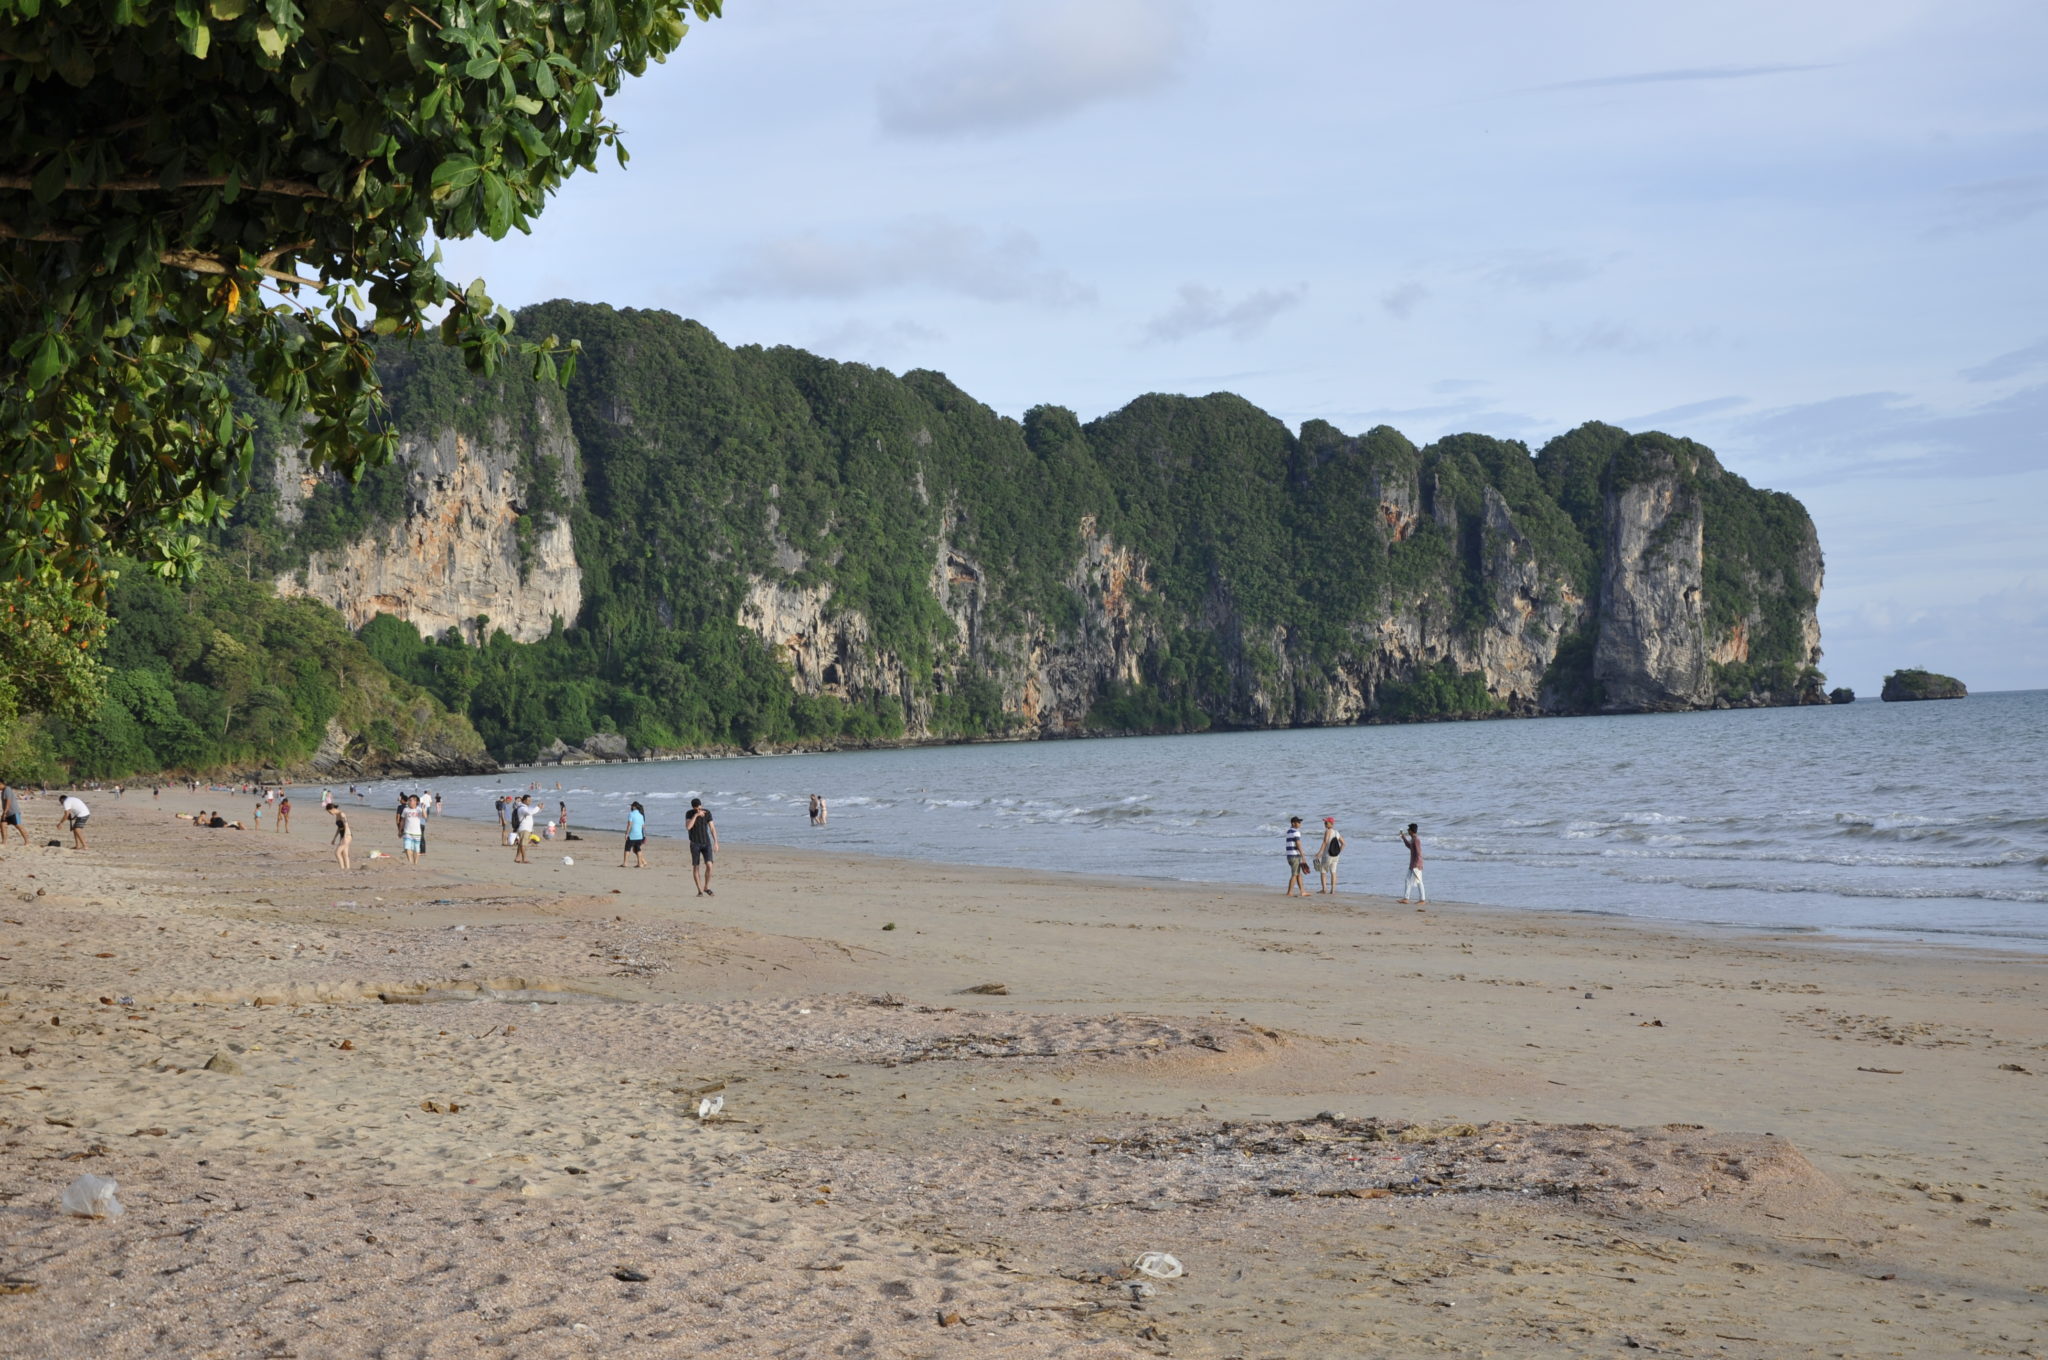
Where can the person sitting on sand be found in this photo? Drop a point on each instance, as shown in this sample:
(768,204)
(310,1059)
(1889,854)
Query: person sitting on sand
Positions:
(216,821)
(1326,856)
(1295,863)
(342,838)
(1413,840)
(74,810)
(636,836)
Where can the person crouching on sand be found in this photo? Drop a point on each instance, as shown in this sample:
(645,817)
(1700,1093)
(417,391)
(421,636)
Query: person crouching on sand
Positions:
(74,811)
(1295,863)
(1326,856)
(1413,840)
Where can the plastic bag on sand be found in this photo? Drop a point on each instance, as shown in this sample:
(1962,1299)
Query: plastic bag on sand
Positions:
(1159,1265)
(92,1197)
(709,1106)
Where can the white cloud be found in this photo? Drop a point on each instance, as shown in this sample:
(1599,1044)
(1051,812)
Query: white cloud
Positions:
(1202,309)
(930,253)
(1679,75)
(1040,62)
(1401,302)
(1992,204)
(872,342)
(1535,270)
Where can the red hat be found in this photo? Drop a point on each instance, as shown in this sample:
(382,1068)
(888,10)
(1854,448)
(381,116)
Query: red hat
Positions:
(1329,821)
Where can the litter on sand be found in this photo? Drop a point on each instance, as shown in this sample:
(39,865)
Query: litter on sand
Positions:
(709,1106)
(92,1197)
(1159,1265)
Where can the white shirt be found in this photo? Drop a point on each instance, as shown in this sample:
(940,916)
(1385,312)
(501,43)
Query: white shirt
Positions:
(76,807)
(414,823)
(524,817)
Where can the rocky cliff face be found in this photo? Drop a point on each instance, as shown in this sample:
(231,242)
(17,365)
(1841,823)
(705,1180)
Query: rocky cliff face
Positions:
(466,544)
(772,549)
(1652,649)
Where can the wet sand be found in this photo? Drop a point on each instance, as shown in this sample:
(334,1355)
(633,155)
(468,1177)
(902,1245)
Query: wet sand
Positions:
(452,1111)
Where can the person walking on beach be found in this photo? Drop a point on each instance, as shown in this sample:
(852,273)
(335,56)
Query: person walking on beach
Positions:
(1326,856)
(1295,863)
(342,838)
(1413,840)
(522,827)
(74,810)
(10,814)
(412,830)
(501,805)
(703,845)
(636,837)
(817,810)
(284,813)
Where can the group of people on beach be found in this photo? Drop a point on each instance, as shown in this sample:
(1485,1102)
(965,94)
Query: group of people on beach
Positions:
(71,811)
(1331,848)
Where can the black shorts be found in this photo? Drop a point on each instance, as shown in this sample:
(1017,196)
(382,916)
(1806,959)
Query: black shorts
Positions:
(14,819)
(634,845)
(699,854)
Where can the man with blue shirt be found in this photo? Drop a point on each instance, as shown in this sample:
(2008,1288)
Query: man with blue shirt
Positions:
(636,836)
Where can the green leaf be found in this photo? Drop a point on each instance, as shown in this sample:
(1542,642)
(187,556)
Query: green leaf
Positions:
(196,40)
(457,172)
(481,68)
(49,359)
(225,10)
(269,39)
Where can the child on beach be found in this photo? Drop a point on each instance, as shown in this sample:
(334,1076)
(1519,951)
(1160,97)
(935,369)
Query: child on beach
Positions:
(1413,840)
(1295,863)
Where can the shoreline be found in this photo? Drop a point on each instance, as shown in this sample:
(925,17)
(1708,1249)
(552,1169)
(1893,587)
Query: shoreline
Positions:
(1363,1129)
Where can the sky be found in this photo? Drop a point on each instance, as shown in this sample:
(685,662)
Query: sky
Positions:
(1813,236)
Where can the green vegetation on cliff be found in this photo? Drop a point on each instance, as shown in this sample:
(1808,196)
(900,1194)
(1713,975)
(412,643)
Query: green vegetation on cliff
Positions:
(1191,561)
(222,674)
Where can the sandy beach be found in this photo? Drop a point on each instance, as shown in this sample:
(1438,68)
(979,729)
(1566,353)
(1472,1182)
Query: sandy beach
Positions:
(452,1110)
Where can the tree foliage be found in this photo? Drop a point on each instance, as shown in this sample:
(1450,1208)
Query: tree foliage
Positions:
(193,186)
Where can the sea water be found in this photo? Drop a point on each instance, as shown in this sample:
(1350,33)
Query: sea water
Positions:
(1916,821)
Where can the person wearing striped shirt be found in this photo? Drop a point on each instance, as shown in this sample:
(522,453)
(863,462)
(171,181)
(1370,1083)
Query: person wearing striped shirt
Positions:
(1295,863)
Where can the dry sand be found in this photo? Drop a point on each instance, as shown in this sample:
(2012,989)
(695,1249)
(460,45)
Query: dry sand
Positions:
(452,1112)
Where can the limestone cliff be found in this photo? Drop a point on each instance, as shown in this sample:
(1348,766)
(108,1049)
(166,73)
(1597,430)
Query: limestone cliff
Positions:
(468,543)
(772,550)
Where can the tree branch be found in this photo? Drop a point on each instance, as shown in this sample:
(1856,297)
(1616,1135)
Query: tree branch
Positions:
(206,264)
(196,261)
(286,187)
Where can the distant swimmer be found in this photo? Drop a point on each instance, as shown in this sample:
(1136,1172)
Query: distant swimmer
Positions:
(1295,863)
(636,837)
(703,845)
(1412,838)
(1326,855)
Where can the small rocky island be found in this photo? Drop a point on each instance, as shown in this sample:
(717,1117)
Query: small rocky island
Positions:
(1904,685)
